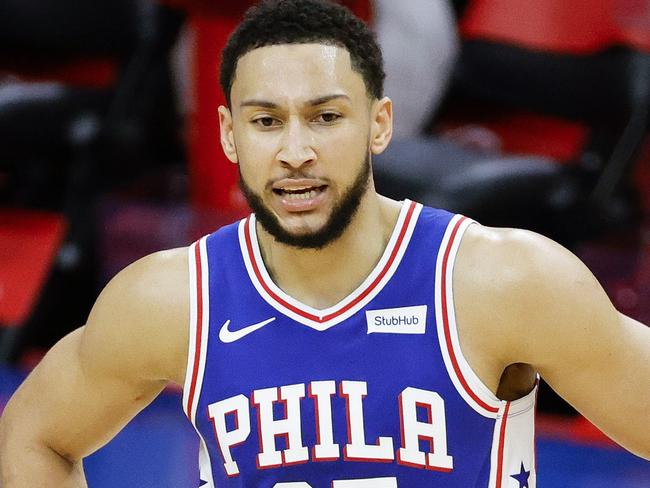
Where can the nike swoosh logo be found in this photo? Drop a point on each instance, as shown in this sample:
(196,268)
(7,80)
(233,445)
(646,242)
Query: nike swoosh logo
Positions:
(226,335)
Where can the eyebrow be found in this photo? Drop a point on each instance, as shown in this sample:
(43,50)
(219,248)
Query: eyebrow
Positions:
(327,98)
(312,103)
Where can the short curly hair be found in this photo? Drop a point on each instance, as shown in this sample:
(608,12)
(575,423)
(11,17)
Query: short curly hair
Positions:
(275,22)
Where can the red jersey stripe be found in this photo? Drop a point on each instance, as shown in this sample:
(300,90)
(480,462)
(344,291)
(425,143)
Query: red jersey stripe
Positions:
(445,317)
(199,330)
(502,438)
(364,293)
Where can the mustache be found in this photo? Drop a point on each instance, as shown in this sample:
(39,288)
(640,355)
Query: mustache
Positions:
(297,175)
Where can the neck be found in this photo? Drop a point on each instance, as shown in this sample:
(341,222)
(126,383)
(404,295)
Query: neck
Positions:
(321,278)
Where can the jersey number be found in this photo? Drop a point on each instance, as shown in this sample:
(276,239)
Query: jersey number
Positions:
(365,483)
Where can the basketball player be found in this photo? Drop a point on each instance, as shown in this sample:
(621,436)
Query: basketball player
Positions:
(336,338)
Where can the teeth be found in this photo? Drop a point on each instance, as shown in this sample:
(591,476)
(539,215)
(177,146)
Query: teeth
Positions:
(300,196)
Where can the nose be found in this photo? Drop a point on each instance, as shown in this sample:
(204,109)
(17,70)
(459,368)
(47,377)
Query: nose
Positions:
(297,144)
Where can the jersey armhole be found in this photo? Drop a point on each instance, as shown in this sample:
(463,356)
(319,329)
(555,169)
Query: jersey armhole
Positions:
(469,386)
(198,327)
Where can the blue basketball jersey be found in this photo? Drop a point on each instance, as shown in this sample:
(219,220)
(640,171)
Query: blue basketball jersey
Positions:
(373,392)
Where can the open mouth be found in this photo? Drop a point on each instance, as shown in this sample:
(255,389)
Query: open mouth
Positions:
(305,193)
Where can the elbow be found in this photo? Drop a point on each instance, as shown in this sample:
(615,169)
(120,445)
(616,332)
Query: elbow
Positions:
(10,438)
(5,449)
(17,435)
(4,433)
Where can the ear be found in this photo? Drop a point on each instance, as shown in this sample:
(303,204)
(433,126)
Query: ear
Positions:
(226,134)
(381,130)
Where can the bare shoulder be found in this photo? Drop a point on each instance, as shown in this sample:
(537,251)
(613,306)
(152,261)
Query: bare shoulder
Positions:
(511,254)
(523,299)
(520,286)
(139,322)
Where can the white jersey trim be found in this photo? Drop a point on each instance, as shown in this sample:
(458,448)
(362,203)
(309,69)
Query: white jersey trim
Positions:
(470,387)
(191,346)
(199,326)
(324,319)
(467,383)
(513,442)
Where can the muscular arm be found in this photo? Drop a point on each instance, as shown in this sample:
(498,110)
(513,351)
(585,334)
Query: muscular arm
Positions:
(538,304)
(92,382)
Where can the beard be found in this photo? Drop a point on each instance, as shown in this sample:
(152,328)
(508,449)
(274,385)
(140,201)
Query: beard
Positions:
(339,220)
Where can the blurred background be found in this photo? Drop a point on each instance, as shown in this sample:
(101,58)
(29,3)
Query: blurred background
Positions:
(523,113)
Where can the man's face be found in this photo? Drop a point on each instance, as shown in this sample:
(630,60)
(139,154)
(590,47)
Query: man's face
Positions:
(300,130)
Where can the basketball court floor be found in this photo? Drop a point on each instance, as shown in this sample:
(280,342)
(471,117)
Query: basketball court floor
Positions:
(158,449)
